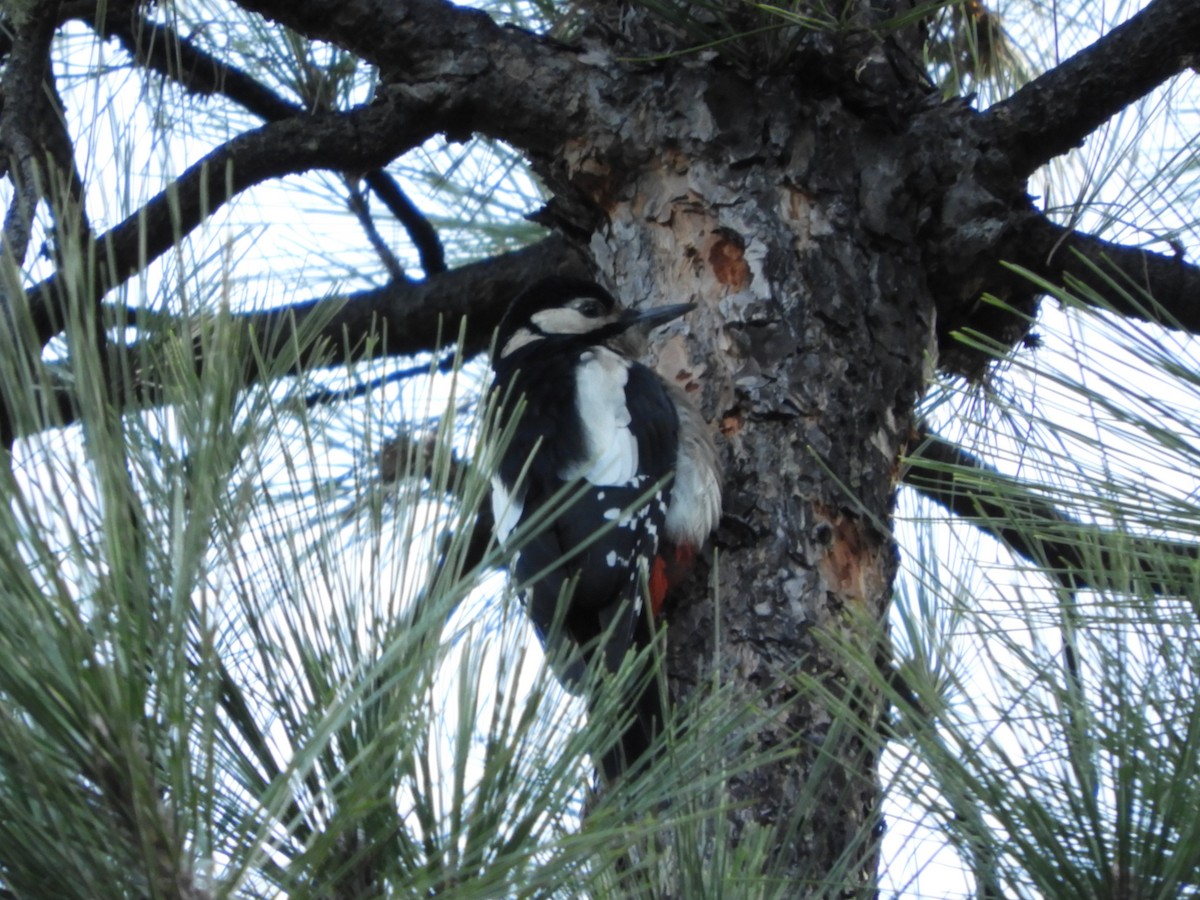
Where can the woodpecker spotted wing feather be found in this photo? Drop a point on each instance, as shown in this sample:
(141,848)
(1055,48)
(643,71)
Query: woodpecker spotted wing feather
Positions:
(592,416)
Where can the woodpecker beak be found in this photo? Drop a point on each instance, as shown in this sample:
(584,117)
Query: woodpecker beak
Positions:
(651,318)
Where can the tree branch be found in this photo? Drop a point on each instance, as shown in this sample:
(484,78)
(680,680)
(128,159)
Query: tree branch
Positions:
(358,205)
(68,202)
(364,137)
(25,73)
(423,235)
(414,317)
(441,50)
(162,49)
(1063,548)
(1057,111)
(402,318)
(1056,253)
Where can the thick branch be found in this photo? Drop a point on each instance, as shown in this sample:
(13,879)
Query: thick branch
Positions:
(161,49)
(511,85)
(414,317)
(1057,111)
(365,137)
(1055,252)
(1065,549)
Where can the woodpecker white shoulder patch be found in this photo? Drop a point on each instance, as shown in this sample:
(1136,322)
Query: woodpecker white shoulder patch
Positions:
(507,508)
(611,449)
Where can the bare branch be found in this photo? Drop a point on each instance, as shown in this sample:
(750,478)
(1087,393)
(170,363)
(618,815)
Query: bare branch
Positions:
(162,49)
(357,202)
(400,319)
(67,200)
(510,84)
(326,396)
(1031,526)
(1057,111)
(364,137)
(414,317)
(423,235)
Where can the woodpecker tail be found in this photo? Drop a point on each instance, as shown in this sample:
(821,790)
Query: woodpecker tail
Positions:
(670,567)
(631,753)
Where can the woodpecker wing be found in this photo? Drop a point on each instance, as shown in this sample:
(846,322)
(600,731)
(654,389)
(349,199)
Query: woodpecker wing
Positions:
(653,433)
(604,430)
(620,419)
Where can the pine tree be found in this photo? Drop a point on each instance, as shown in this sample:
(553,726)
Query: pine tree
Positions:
(250,644)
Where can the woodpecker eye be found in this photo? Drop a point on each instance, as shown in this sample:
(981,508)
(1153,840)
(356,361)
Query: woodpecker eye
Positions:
(590,308)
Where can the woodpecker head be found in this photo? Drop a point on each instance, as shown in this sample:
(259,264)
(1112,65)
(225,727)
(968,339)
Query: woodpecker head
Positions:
(561,307)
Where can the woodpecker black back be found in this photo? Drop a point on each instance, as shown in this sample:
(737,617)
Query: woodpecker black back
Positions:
(594,416)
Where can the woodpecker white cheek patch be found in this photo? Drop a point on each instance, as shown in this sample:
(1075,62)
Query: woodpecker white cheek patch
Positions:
(563,321)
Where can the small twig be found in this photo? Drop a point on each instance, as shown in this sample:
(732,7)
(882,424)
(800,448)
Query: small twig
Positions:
(160,48)
(318,398)
(420,230)
(357,202)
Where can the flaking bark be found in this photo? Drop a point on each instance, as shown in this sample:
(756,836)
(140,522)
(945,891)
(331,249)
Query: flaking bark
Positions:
(808,354)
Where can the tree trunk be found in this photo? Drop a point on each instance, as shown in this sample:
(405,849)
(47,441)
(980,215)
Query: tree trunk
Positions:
(808,352)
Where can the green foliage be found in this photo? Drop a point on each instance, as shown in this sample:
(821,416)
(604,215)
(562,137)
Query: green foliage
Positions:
(969,49)
(236,662)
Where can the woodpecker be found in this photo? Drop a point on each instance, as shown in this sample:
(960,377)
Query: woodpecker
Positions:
(635,451)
